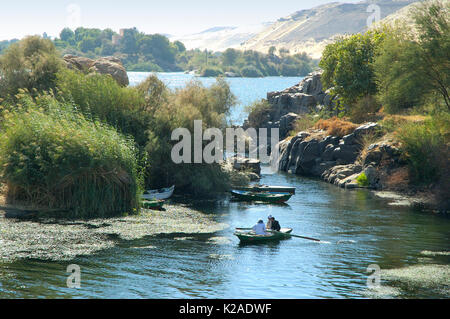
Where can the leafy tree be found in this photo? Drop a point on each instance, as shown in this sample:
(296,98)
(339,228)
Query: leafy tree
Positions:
(397,69)
(229,56)
(180,46)
(5,44)
(29,64)
(347,65)
(107,34)
(129,41)
(159,47)
(88,44)
(433,22)
(107,48)
(67,35)
(272,50)
(411,68)
(251,72)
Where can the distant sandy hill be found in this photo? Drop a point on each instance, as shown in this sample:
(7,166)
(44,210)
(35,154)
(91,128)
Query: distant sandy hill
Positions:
(311,30)
(220,38)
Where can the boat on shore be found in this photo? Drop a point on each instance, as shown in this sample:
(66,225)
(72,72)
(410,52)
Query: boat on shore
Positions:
(261,196)
(267,188)
(153,204)
(272,235)
(163,193)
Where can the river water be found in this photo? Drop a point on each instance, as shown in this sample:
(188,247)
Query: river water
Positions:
(358,229)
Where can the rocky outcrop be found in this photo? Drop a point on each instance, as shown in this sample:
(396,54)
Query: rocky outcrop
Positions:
(286,124)
(298,99)
(107,65)
(290,104)
(341,161)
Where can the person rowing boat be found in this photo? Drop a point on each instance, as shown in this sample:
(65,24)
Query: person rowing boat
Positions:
(272,223)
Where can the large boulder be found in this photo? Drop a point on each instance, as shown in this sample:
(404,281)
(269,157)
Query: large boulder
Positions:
(77,62)
(307,160)
(345,154)
(287,124)
(300,98)
(113,67)
(107,65)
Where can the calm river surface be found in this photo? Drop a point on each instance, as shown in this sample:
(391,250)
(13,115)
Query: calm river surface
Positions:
(410,247)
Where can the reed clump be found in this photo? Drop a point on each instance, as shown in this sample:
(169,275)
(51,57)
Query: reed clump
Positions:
(53,157)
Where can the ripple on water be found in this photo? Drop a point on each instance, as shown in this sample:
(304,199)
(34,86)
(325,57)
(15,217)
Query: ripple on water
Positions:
(219,256)
(219,240)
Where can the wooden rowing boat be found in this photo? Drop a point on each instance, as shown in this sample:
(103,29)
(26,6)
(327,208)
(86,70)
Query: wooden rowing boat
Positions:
(153,204)
(163,193)
(270,189)
(261,196)
(272,235)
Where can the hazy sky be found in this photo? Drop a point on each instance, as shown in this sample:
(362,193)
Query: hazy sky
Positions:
(19,17)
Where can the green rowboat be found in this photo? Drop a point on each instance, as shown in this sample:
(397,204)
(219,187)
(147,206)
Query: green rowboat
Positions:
(267,188)
(272,235)
(262,197)
(153,204)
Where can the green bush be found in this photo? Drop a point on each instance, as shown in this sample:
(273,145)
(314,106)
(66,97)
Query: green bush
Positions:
(251,72)
(30,64)
(364,109)
(303,123)
(179,109)
(424,147)
(211,71)
(52,157)
(259,113)
(362,180)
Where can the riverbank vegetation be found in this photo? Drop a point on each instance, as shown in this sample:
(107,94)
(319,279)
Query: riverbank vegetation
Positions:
(85,145)
(156,53)
(249,63)
(53,157)
(400,70)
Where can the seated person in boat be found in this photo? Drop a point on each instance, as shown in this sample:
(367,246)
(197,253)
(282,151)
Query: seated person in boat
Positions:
(273,224)
(260,228)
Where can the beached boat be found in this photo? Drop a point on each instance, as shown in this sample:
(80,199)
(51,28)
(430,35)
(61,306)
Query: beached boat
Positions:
(251,237)
(163,193)
(153,204)
(261,196)
(268,188)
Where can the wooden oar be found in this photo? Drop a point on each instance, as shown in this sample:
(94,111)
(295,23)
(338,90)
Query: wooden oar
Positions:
(309,238)
(303,237)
